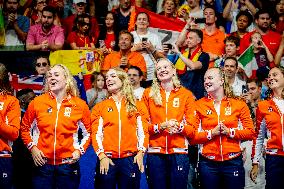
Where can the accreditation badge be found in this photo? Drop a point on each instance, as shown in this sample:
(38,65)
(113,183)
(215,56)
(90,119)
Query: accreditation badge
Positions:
(176,103)
(228,111)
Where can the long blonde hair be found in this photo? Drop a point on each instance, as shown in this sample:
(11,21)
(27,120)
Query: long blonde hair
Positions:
(127,91)
(71,84)
(155,92)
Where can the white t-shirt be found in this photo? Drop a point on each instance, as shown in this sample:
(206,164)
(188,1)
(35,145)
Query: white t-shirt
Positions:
(91,93)
(237,86)
(138,93)
(156,42)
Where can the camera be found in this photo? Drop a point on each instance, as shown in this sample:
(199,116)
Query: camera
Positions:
(244,89)
(200,20)
(144,39)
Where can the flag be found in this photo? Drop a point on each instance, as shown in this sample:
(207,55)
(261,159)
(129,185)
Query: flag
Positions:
(168,29)
(2,28)
(248,62)
(34,82)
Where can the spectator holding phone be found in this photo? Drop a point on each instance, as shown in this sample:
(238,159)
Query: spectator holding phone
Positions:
(148,43)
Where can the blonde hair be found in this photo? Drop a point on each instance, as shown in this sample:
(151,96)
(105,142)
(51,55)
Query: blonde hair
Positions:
(71,84)
(155,92)
(127,90)
(5,85)
(228,90)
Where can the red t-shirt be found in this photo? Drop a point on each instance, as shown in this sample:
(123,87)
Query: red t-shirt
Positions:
(80,41)
(110,41)
(271,40)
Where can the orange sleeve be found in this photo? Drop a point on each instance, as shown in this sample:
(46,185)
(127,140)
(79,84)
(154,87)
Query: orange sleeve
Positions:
(26,125)
(10,123)
(139,62)
(248,132)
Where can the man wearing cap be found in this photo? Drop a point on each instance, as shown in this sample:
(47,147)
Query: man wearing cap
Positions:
(45,36)
(80,8)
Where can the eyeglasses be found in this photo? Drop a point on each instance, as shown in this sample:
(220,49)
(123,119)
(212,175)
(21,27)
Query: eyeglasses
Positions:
(44,64)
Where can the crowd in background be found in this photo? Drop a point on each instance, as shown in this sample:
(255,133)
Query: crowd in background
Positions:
(202,117)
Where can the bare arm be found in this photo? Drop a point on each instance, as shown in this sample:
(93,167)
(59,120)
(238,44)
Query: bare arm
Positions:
(279,53)
(227,10)
(250,6)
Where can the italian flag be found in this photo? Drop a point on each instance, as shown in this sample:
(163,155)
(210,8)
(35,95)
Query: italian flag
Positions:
(248,62)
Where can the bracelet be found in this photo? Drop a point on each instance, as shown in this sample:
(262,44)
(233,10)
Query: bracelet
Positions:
(103,158)
(153,51)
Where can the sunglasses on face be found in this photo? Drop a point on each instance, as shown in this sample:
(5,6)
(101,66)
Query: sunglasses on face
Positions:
(44,64)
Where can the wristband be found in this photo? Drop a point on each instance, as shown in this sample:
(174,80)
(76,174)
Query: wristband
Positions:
(153,51)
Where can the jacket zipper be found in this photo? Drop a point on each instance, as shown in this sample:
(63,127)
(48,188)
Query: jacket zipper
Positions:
(56,123)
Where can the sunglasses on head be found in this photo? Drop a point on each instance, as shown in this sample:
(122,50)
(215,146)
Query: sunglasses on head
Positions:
(44,64)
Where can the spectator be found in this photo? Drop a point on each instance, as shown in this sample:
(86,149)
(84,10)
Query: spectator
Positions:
(270,38)
(136,76)
(195,12)
(97,93)
(123,13)
(35,12)
(16,26)
(125,57)
(212,37)
(45,36)
(232,45)
(108,37)
(80,37)
(169,9)
(42,65)
(244,20)
(279,60)
(278,17)
(233,8)
(69,22)
(148,44)
(263,57)
(22,159)
(9,130)
(195,60)
(230,71)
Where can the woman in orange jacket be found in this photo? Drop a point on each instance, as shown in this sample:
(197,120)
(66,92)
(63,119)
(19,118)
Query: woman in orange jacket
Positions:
(119,135)
(50,131)
(170,106)
(223,122)
(269,122)
(10,114)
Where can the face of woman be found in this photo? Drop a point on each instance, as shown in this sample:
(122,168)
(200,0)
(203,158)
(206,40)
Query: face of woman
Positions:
(212,81)
(113,82)
(275,79)
(42,66)
(169,7)
(84,26)
(280,7)
(100,82)
(165,71)
(56,79)
(109,20)
(142,21)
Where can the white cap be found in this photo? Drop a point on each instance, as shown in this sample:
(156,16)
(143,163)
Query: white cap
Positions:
(79,1)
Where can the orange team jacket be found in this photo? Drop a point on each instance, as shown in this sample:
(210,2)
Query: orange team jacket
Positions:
(116,133)
(235,115)
(178,105)
(269,122)
(10,113)
(54,129)
(134,59)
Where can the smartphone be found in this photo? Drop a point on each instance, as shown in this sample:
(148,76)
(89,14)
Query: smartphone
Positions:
(259,42)
(199,20)
(244,89)
(170,46)
(144,39)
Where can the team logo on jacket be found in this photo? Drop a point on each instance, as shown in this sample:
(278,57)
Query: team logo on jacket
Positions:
(1,105)
(176,103)
(67,112)
(270,109)
(208,112)
(228,111)
(109,109)
(49,110)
